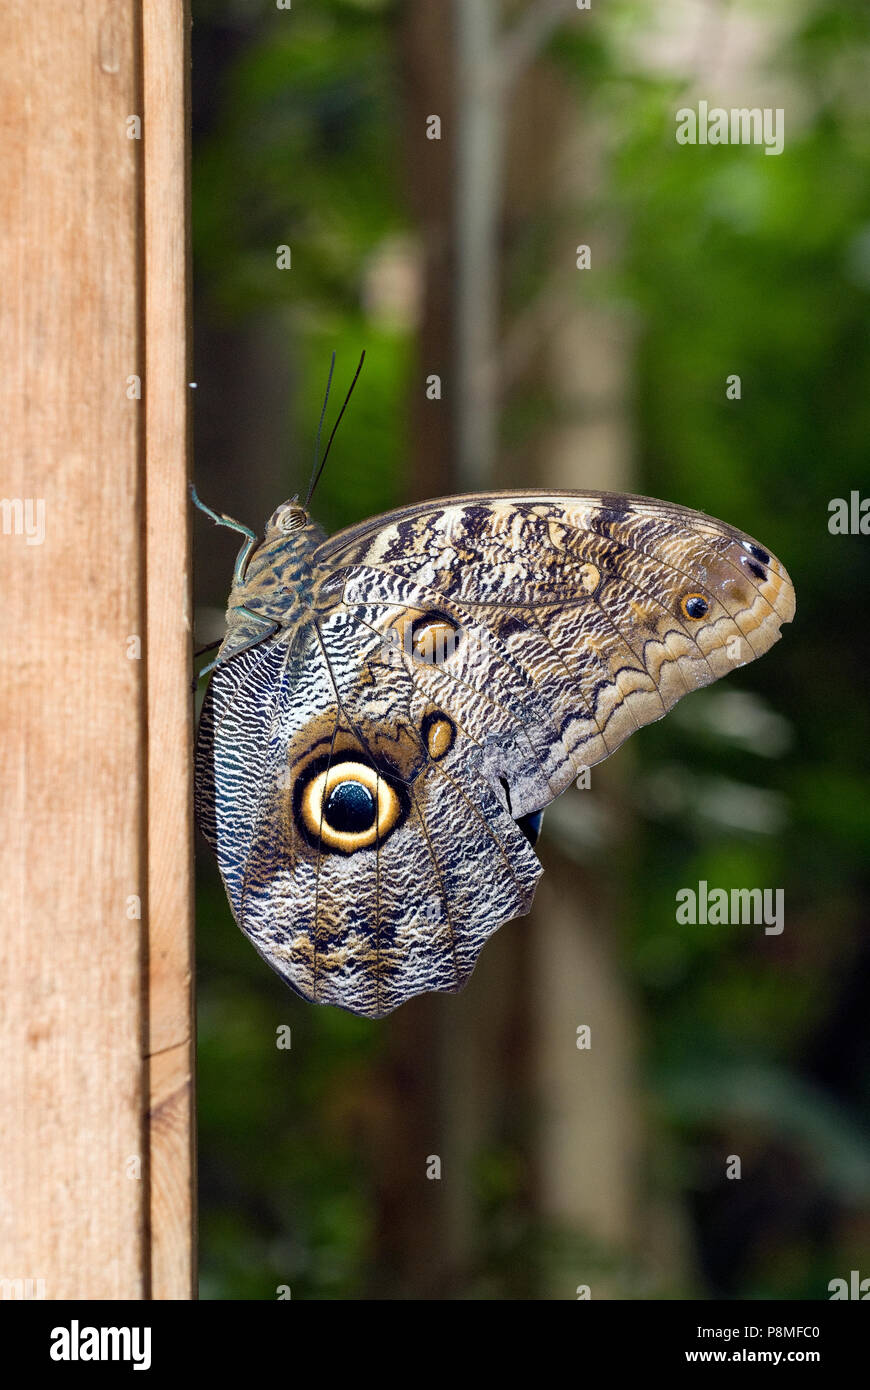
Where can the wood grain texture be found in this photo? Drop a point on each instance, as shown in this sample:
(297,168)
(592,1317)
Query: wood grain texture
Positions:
(165,64)
(73,1169)
(96,1091)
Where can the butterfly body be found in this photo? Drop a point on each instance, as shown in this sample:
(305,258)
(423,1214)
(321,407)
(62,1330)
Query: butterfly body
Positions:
(394,706)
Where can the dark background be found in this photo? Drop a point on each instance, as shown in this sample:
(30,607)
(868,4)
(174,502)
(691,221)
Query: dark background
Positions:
(559,1167)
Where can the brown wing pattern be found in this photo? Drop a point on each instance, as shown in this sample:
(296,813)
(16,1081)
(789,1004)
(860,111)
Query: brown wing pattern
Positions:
(601,610)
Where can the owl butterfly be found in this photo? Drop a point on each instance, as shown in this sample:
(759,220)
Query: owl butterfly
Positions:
(393,707)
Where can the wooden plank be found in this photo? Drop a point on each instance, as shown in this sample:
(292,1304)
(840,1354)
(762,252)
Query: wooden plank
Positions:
(73,1169)
(165,61)
(88,263)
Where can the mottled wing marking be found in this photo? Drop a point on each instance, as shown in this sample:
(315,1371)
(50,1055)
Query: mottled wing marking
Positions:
(411,914)
(488,693)
(605,657)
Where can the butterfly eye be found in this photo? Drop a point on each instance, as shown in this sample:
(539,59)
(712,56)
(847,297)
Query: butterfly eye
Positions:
(693,605)
(433,639)
(291,518)
(348,806)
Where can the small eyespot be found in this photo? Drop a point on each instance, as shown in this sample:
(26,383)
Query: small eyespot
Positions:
(434,639)
(439,734)
(694,605)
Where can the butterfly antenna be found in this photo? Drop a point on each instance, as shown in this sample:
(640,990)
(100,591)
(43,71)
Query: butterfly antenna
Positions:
(320,427)
(316,478)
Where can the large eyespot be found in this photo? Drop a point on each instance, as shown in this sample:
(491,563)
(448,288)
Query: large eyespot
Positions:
(434,638)
(346,805)
(693,606)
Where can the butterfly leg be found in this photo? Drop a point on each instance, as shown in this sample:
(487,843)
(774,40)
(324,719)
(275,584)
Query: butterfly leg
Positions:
(269,626)
(220,519)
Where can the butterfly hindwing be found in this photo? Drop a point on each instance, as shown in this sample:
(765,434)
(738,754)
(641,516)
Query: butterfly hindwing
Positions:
(361,920)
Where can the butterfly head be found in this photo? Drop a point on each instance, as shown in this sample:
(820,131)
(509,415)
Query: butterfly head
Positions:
(283,561)
(289,517)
